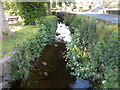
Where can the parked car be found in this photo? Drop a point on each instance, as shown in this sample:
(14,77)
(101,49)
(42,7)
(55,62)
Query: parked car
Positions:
(98,9)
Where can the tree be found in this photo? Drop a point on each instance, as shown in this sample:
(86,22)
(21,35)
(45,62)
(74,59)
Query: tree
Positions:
(3,23)
(31,11)
(59,3)
(49,8)
(10,7)
(90,6)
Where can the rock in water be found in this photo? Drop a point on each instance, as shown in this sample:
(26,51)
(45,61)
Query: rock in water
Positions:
(57,34)
(56,45)
(45,73)
(40,73)
(44,63)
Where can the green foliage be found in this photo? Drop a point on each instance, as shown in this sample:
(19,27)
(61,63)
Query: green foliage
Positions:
(93,53)
(60,4)
(53,12)
(77,21)
(74,7)
(80,8)
(31,49)
(90,7)
(78,48)
(74,21)
(50,23)
(10,7)
(19,36)
(104,31)
(68,18)
(104,61)
(31,11)
(5,32)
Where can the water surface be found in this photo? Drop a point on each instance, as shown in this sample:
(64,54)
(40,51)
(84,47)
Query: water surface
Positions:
(54,74)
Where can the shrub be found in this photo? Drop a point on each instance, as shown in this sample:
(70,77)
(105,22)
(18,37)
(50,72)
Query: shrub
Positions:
(74,21)
(104,61)
(10,7)
(31,11)
(31,49)
(79,47)
(104,31)
(90,7)
(6,32)
(68,18)
(92,54)
(53,12)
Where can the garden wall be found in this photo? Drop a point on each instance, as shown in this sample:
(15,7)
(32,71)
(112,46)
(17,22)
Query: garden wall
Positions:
(5,70)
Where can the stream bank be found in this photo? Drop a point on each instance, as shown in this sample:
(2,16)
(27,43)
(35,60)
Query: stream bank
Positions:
(50,71)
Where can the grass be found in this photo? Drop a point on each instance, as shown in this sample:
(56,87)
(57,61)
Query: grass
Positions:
(8,44)
(104,31)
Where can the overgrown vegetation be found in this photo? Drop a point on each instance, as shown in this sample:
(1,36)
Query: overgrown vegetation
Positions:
(5,32)
(31,11)
(68,18)
(10,7)
(93,52)
(30,50)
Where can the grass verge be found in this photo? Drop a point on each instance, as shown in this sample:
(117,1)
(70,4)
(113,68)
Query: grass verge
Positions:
(20,36)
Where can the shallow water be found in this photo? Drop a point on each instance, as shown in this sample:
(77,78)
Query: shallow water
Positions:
(54,74)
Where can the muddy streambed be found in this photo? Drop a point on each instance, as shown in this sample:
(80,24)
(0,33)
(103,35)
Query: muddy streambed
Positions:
(50,71)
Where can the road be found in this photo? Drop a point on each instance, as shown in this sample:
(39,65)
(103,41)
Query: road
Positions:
(107,17)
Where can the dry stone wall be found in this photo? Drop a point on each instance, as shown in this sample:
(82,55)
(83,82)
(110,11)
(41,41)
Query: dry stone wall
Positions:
(5,70)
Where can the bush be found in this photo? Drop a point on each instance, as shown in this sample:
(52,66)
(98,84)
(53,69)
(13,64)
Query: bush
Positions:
(53,12)
(31,11)
(68,18)
(10,7)
(6,32)
(77,22)
(93,55)
(104,61)
(31,49)
(74,21)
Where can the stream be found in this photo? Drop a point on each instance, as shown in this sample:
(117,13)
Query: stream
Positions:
(50,69)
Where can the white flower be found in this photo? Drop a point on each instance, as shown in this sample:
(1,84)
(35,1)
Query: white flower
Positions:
(103,82)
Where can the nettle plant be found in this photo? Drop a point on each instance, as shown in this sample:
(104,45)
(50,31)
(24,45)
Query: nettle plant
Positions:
(74,21)
(77,22)
(31,50)
(92,58)
(68,18)
(79,47)
(104,61)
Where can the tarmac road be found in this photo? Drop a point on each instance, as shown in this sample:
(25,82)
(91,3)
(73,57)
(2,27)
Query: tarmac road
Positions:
(107,17)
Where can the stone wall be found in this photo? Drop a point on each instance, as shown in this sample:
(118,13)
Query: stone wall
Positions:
(5,70)
(117,12)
